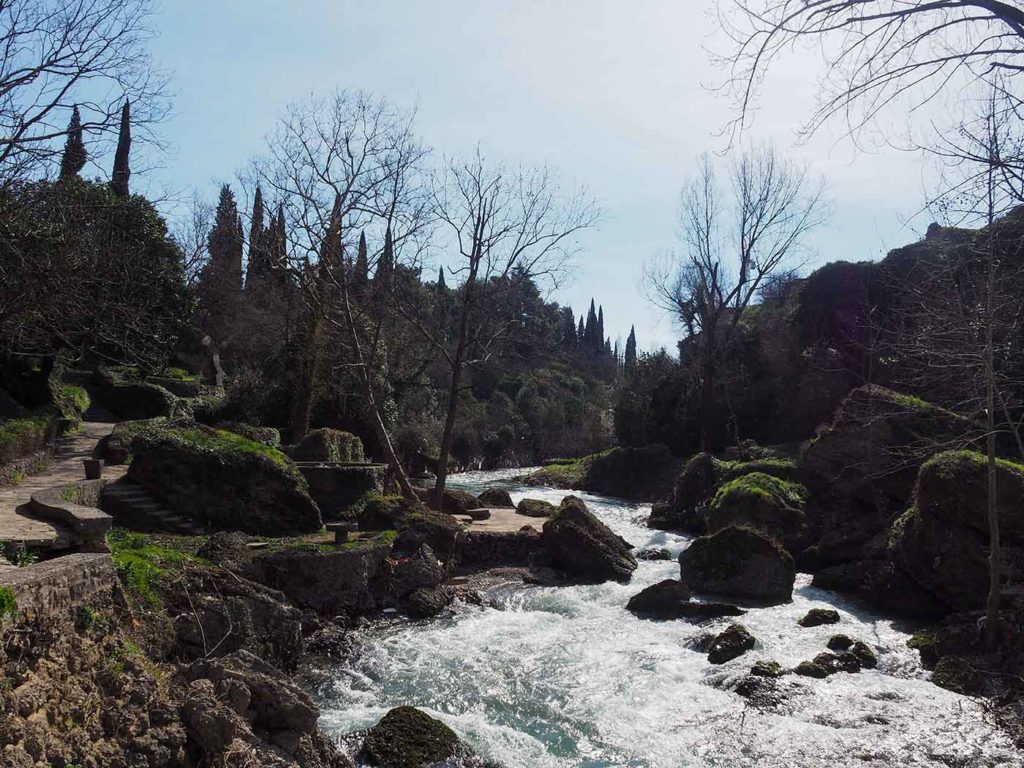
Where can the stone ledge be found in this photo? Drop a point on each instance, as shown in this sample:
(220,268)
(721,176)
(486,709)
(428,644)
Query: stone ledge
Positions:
(53,586)
(25,466)
(88,522)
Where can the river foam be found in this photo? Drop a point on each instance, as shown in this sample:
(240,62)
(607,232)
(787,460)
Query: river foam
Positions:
(565,677)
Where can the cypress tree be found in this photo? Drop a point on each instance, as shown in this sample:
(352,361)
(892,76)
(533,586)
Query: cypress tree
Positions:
(276,245)
(122,171)
(600,331)
(591,341)
(441,286)
(331,252)
(73,159)
(385,264)
(361,275)
(629,363)
(225,245)
(580,332)
(257,268)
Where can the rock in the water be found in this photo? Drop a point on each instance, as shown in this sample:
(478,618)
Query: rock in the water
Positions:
(660,601)
(766,669)
(424,602)
(536,508)
(584,547)
(839,643)
(739,562)
(698,612)
(495,497)
(865,654)
(408,738)
(811,669)
(816,617)
(733,642)
(843,661)
(654,553)
(425,526)
(958,674)
(762,502)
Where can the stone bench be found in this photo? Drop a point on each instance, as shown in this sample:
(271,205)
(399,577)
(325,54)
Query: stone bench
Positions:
(73,505)
(342,530)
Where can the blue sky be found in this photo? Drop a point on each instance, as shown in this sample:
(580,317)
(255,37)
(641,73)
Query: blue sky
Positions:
(612,94)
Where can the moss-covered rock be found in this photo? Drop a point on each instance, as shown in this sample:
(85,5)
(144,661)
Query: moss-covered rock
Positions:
(266,435)
(739,562)
(632,473)
(660,601)
(222,480)
(942,541)
(865,654)
(536,508)
(454,501)
(766,669)
(329,445)
(761,501)
(811,669)
(495,497)
(584,547)
(408,738)
(135,400)
(439,530)
(958,674)
(733,642)
(816,617)
(839,643)
(22,437)
(384,513)
(844,661)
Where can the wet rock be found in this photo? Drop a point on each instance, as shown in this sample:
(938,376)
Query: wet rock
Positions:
(653,553)
(701,643)
(766,669)
(584,547)
(811,669)
(817,617)
(408,738)
(839,643)
(865,655)
(536,508)
(739,562)
(698,612)
(495,497)
(838,662)
(733,642)
(761,692)
(663,600)
(958,674)
(425,602)
(420,569)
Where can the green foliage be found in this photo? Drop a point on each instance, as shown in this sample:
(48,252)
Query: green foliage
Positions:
(220,442)
(8,603)
(71,401)
(21,437)
(760,484)
(85,617)
(141,563)
(23,558)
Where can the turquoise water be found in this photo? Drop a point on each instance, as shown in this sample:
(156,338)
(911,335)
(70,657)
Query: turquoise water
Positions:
(566,677)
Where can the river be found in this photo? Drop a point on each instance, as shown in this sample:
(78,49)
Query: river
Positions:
(565,677)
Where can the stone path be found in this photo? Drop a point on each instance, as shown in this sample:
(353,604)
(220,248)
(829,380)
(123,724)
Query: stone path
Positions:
(17,524)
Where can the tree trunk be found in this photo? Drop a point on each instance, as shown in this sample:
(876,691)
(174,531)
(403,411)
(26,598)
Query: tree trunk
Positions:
(707,416)
(446,436)
(309,370)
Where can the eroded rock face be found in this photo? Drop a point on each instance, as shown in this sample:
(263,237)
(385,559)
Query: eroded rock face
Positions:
(584,547)
(663,600)
(738,562)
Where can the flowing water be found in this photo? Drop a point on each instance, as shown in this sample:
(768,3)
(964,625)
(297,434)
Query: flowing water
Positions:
(566,677)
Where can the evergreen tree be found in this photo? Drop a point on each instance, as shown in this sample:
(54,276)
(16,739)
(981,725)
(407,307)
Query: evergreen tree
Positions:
(568,328)
(277,246)
(591,341)
(629,362)
(600,331)
(225,245)
(385,264)
(122,171)
(440,280)
(257,268)
(581,332)
(73,159)
(361,273)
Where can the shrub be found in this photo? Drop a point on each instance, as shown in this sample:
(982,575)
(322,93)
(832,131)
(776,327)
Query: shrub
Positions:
(22,437)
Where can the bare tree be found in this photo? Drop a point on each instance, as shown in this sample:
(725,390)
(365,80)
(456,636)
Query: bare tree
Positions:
(876,51)
(756,224)
(342,165)
(55,54)
(506,226)
(190,232)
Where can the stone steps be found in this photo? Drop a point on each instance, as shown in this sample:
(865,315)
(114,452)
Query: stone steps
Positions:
(132,506)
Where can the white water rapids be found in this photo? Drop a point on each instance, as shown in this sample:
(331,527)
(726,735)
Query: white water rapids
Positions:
(565,677)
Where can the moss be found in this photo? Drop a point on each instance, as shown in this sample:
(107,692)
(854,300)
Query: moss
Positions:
(766,669)
(760,484)
(8,602)
(568,473)
(811,669)
(408,738)
(218,441)
(816,617)
(957,674)
(142,561)
(329,445)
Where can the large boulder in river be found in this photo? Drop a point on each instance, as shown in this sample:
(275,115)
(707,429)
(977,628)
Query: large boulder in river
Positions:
(760,501)
(663,600)
(222,480)
(536,508)
(495,497)
(408,738)
(584,547)
(733,642)
(426,526)
(942,541)
(738,562)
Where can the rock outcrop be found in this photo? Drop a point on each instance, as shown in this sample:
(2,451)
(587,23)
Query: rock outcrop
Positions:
(663,600)
(584,547)
(763,502)
(738,562)
(409,738)
(495,497)
(536,508)
(328,445)
(730,644)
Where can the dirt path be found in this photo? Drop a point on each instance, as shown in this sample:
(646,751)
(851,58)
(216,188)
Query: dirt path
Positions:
(505,520)
(17,525)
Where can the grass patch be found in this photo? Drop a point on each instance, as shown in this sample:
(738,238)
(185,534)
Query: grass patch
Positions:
(760,484)
(8,603)
(141,562)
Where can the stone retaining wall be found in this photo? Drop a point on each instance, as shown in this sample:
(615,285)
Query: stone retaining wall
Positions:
(485,549)
(14,471)
(52,587)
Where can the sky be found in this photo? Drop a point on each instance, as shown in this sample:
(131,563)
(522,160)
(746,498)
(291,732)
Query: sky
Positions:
(616,96)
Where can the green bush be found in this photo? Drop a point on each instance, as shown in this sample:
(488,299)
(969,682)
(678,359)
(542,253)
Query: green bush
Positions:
(8,603)
(22,437)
